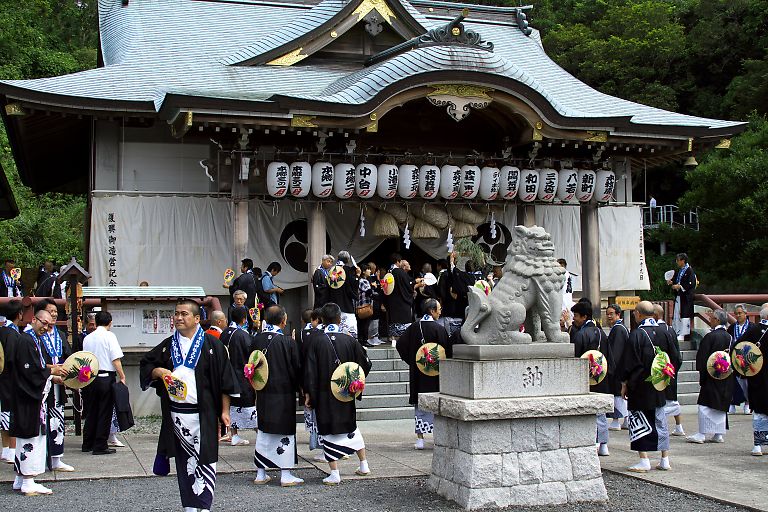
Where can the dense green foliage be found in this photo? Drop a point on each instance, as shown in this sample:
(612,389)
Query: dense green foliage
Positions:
(733,237)
(700,57)
(43,38)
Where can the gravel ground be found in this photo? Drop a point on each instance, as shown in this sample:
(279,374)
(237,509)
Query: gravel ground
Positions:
(236,492)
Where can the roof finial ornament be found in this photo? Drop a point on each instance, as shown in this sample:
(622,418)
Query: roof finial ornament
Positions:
(452,32)
(455,32)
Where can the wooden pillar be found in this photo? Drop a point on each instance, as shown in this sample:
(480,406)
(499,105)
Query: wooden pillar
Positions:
(239,231)
(590,256)
(74,313)
(623,170)
(526,215)
(316,240)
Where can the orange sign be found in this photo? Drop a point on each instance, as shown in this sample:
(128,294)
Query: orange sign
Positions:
(627,302)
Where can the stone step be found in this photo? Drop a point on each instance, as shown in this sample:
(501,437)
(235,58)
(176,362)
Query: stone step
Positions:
(388,365)
(688,366)
(688,355)
(687,345)
(687,376)
(386,388)
(382,401)
(387,352)
(387,376)
(374,413)
(387,413)
(687,398)
(688,387)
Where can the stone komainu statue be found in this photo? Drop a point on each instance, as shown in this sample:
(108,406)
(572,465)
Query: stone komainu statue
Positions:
(530,287)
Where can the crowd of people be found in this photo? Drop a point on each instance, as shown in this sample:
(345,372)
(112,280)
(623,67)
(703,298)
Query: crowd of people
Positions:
(639,367)
(224,373)
(33,395)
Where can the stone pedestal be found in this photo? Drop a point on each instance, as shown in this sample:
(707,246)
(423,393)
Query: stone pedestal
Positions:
(515,431)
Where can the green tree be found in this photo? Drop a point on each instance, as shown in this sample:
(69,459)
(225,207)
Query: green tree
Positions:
(631,49)
(44,38)
(730,187)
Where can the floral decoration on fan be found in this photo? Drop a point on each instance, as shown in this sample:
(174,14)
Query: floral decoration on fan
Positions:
(747,358)
(336,275)
(595,365)
(82,371)
(662,370)
(349,382)
(721,365)
(430,357)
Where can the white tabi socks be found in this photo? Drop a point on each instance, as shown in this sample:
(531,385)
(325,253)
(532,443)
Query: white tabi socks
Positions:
(261,477)
(8,455)
(17,482)
(31,488)
(58,465)
(288,480)
(333,479)
(643,466)
(363,470)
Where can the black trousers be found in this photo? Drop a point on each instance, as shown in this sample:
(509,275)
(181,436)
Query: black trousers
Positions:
(363,325)
(99,403)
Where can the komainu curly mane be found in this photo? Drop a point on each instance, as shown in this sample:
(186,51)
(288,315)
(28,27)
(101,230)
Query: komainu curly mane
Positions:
(529,293)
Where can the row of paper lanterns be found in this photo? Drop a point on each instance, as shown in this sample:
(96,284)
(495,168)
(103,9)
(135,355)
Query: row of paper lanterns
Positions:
(407,181)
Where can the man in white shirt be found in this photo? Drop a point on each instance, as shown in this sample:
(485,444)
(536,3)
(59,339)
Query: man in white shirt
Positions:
(99,398)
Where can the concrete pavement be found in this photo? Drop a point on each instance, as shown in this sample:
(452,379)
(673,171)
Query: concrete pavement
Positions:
(724,472)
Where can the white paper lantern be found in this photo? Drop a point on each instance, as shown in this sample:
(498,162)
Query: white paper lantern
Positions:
(429,181)
(586,188)
(605,186)
(301,179)
(529,185)
(322,179)
(344,181)
(489,183)
(548,184)
(407,181)
(450,181)
(366,176)
(567,183)
(509,182)
(277,179)
(386,188)
(470,181)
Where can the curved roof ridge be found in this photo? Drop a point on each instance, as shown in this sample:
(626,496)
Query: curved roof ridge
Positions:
(364,83)
(309,21)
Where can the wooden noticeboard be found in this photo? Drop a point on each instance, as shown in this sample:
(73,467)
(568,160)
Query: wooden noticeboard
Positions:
(627,302)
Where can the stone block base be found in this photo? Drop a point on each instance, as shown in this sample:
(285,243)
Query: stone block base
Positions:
(518,461)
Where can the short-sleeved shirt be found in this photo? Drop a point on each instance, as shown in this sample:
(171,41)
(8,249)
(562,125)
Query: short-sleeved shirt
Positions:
(268,284)
(105,347)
